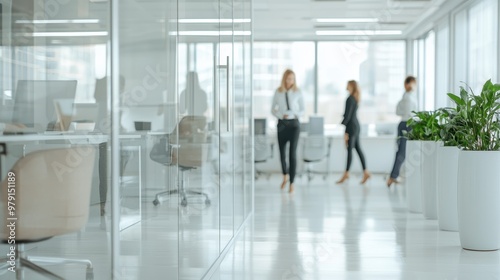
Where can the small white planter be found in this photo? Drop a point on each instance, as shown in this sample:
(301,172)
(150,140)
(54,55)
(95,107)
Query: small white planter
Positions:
(479,200)
(429,178)
(412,180)
(447,172)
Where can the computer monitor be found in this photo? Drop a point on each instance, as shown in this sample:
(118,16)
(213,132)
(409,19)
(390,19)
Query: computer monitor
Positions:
(34,101)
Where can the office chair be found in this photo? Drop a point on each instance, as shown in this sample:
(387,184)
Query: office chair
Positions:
(263,149)
(188,155)
(263,152)
(315,147)
(52,198)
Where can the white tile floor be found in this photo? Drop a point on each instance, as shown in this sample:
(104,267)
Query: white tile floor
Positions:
(326,231)
(323,231)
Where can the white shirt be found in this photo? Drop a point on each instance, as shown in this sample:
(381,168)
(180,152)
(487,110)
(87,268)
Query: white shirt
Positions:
(296,101)
(406,106)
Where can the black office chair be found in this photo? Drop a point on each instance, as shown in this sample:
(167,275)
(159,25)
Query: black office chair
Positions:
(188,155)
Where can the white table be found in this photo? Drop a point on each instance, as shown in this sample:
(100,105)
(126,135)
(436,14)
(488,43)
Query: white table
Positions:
(19,145)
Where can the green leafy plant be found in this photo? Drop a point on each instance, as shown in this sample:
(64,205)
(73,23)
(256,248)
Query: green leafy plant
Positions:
(474,124)
(449,124)
(424,126)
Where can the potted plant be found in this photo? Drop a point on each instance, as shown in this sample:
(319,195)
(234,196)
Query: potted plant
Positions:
(478,176)
(447,169)
(412,165)
(428,127)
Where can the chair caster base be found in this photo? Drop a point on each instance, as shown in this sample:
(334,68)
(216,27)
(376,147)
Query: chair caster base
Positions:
(208,202)
(156,202)
(184,202)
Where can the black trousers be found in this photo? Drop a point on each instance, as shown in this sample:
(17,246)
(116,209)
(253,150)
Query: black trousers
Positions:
(353,143)
(401,153)
(288,134)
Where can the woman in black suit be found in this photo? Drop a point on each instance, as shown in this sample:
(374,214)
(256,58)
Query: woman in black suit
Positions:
(352,130)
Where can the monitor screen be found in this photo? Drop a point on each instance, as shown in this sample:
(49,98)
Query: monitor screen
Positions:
(34,101)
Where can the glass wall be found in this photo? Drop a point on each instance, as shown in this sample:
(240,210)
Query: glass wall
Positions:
(469,37)
(128,127)
(483,43)
(378,66)
(54,57)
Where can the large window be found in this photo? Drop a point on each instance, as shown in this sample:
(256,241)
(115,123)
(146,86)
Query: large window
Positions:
(442,63)
(483,24)
(270,61)
(429,71)
(378,66)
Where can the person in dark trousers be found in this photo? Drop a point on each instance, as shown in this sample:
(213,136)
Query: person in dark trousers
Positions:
(288,106)
(405,107)
(352,130)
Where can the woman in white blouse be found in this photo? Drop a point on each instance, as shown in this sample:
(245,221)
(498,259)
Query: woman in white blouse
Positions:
(288,107)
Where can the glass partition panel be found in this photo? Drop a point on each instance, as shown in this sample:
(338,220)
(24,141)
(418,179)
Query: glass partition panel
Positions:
(199,142)
(249,160)
(53,53)
(225,78)
(239,105)
(148,119)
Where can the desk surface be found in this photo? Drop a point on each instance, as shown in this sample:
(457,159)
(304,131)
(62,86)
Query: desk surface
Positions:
(92,138)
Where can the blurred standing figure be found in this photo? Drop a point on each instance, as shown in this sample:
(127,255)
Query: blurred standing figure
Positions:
(352,131)
(288,106)
(405,107)
(193,100)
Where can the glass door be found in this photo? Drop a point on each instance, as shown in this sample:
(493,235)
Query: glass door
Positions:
(226,114)
(198,134)
(239,105)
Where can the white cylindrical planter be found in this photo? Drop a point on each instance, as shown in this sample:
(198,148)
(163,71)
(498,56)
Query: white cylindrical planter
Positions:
(412,180)
(479,200)
(429,179)
(447,172)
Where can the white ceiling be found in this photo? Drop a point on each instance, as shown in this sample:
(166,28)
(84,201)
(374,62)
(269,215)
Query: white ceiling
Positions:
(295,19)
(145,20)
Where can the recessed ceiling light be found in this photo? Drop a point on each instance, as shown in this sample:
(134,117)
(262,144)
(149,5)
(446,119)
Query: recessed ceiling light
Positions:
(211,33)
(357,32)
(58,21)
(347,20)
(66,34)
(212,20)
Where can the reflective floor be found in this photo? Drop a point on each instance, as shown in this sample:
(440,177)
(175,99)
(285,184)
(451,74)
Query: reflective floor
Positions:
(326,231)
(322,231)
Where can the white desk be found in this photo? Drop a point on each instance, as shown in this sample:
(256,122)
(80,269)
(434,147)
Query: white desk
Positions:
(15,146)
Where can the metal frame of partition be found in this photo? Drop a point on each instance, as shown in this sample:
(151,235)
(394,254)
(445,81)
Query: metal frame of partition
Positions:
(114,89)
